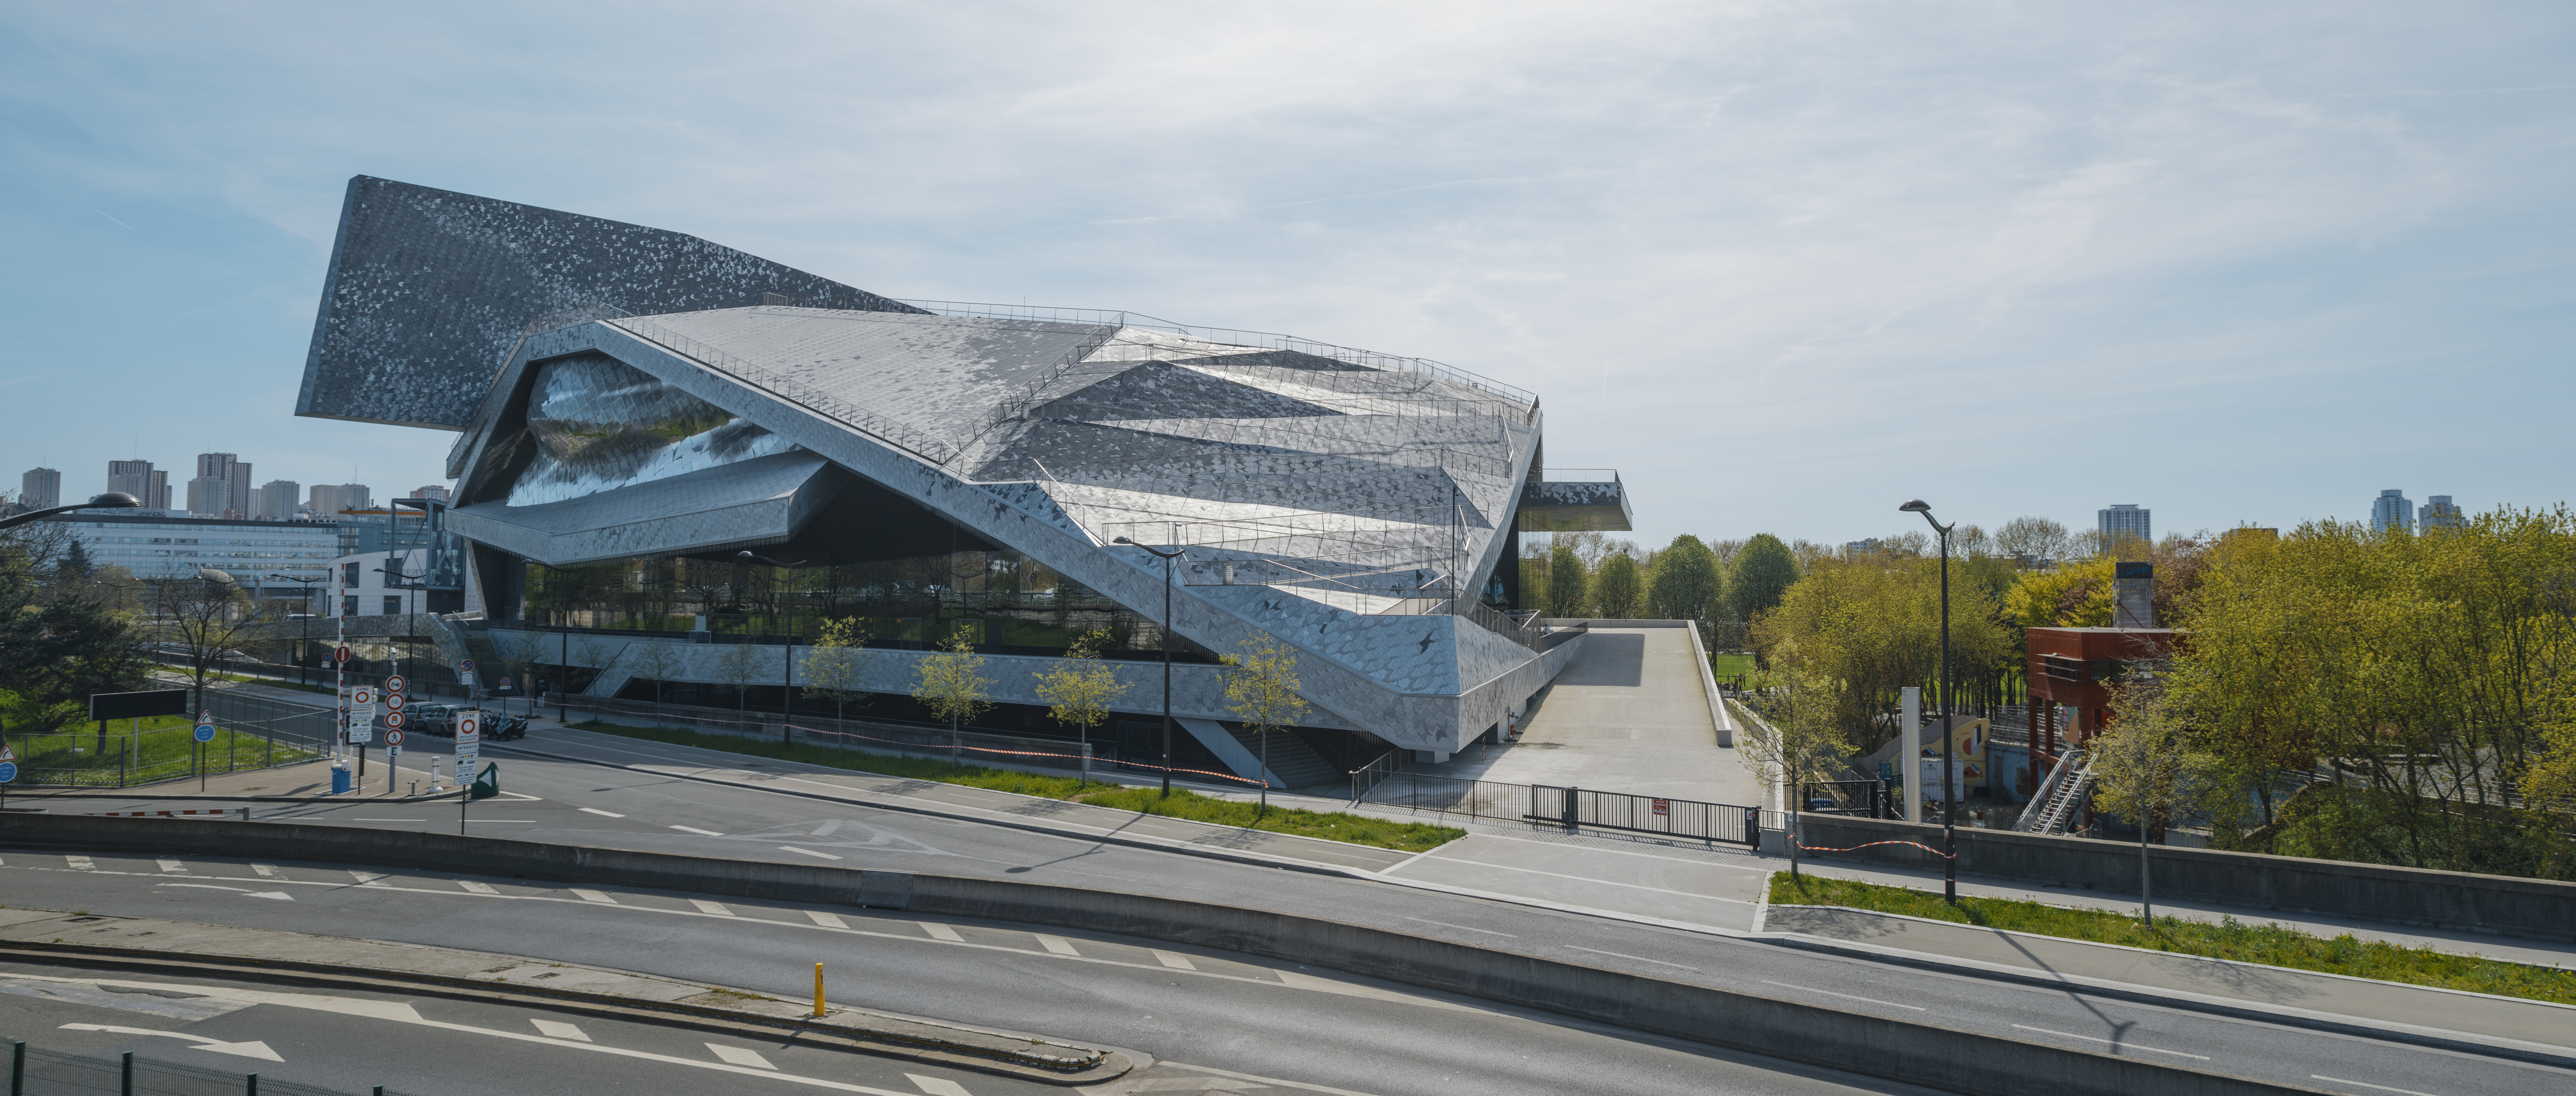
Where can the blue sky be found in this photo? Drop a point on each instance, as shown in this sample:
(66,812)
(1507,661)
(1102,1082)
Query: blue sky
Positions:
(1783,264)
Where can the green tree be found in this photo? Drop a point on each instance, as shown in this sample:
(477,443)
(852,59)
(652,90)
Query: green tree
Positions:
(1567,595)
(2141,766)
(835,664)
(1797,744)
(1619,591)
(57,645)
(1533,580)
(741,665)
(1686,584)
(952,685)
(1857,631)
(1761,572)
(1261,690)
(1081,687)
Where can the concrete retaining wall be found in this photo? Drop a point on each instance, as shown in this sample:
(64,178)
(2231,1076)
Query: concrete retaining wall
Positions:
(1870,1045)
(2414,896)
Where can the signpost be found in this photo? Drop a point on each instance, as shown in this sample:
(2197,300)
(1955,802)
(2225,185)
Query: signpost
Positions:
(465,673)
(8,772)
(469,747)
(205,733)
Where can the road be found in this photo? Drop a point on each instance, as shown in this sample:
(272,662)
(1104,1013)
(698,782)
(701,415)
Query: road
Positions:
(1369,1044)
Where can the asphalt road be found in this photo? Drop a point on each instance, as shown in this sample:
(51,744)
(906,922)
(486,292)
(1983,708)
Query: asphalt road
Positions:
(1364,1043)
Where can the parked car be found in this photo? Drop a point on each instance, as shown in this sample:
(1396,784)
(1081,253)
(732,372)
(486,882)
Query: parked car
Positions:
(435,720)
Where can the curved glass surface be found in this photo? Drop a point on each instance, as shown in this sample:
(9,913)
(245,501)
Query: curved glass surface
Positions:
(601,424)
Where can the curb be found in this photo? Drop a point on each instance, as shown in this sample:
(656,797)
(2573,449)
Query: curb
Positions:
(1093,1067)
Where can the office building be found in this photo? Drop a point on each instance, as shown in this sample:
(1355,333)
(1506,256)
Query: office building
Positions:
(329,500)
(156,546)
(433,492)
(2393,510)
(277,500)
(2124,521)
(40,489)
(222,487)
(644,405)
(139,479)
(2438,513)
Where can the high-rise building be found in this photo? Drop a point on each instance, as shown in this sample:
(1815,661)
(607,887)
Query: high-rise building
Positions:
(40,489)
(433,492)
(277,500)
(137,478)
(330,499)
(2438,513)
(233,498)
(2393,510)
(2122,521)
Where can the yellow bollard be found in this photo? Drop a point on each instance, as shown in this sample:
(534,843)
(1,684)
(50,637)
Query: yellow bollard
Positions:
(818,989)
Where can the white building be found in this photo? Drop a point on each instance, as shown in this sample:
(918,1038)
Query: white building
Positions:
(40,489)
(2125,520)
(2393,510)
(361,588)
(139,479)
(157,546)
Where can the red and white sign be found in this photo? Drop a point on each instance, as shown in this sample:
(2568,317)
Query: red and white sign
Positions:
(393,702)
(393,738)
(1663,807)
(363,697)
(393,719)
(394,683)
(342,654)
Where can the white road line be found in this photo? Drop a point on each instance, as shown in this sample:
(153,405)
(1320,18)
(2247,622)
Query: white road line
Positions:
(939,931)
(557,1029)
(1623,955)
(79,863)
(2097,1039)
(269,870)
(2365,1084)
(1057,944)
(716,908)
(740,1056)
(809,852)
(593,896)
(173,865)
(1844,996)
(389,820)
(601,813)
(827,920)
(367,878)
(1447,925)
(697,831)
(1174,960)
(478,888)
(1586,879)
(252,1049)
(1263,1080)
(938,1086)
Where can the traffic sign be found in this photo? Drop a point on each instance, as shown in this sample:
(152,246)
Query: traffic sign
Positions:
(342,654)
(393,719)
(8,771)
(205,732)
(393,738)
(505,683)
(469,744)
(464,665)
(393,701)
(394,683)
(393,751)
(363,697)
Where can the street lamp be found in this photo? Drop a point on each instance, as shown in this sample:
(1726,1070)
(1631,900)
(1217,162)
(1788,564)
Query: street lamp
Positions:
(305,641)
(1167,655)
(1949,794)
(787,671)
(113,500)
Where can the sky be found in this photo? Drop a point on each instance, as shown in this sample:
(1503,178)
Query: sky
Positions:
(1783,265)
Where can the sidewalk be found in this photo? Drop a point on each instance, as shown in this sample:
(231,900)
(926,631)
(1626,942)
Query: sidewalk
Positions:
(1629,714)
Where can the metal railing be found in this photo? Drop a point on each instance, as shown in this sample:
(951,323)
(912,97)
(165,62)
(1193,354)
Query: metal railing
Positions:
(1858,798)
(252,733)
(44,1070)
(1573,808)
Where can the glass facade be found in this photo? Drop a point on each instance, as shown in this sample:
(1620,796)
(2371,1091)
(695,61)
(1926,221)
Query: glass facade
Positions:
(600,424)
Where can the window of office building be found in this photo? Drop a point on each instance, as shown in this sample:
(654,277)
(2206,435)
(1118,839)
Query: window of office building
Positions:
(393,606)
(349,605)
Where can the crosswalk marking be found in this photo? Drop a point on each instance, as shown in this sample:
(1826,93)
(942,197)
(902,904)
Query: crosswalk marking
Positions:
(593,896)
(939,931)
(269,870)
(697,831)
(601,813)
(716,908)
(478,888)
(1057,944)
(938,1086)
(1174,960)
(557,1029)
(809,852)
(827,920)
(79,863)
(173,865)
(739,1056)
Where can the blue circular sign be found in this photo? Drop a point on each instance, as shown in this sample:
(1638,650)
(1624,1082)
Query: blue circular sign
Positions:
(8,771)
(205,732)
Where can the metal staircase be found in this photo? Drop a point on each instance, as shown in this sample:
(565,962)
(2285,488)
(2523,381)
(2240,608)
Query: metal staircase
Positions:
(2060,796)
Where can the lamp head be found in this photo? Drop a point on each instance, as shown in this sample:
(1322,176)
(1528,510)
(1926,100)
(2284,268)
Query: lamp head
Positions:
(114,500)
(1122,540)
(1916,506)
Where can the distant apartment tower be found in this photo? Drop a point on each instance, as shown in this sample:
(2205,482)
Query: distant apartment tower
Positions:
(40,489)
(2438,513)
(328,499)
(2124,520)
(136,478)
(2393,510)
(277,500)
(1863,547)
(221,488)
(433,492)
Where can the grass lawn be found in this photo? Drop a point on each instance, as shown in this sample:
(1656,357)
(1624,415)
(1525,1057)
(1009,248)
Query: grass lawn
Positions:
(165,745)
(1726,665)
(1183,803)
(2229,938)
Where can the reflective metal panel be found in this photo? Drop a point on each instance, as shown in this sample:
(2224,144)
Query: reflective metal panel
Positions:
(600,424)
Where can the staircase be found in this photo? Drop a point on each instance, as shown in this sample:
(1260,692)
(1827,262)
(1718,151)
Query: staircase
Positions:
(1297,763)
(2060,796)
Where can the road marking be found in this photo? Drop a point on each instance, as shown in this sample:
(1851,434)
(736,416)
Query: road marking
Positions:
(1447,925)
(601,813)
(1262,1080)
(173,865)
(1056,944)
(1844,996)
(827,920)
(2097,1039)
(253,1049)
(938,1086)
(391,820)
(478,888)
(269,870)
(809,852)
(280,896)
(697,831)
(367,878)
(1576,878)
(716,908)
(593,896)
(1623,955)
(740,1057)
(2365,1084)
(557,1029)
(939,931)
(1174,960)
(79,863)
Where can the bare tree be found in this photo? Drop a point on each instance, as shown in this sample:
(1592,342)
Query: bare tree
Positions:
(1799,743)
(199,619)
(2036,539)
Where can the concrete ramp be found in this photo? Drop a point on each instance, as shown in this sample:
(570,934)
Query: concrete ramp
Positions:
(1632,714)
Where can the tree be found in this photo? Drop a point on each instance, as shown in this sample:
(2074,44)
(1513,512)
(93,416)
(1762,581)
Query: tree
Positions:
(835,664)
(1686,584)
(2038,541)
(1763,570)
(654,662)
(198,619)
(1860,630)
(1566,582)
(2075,595)
(2140,767)
(58,646)
(951,684)
(1081,688)
(1619,591)
(740,665)
(1533,566)
(1798,743)
(1261,690)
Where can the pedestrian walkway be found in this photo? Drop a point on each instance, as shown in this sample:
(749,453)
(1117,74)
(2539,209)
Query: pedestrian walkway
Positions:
(1629,714)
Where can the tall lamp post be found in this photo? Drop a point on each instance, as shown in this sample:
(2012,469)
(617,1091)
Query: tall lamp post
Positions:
(787,668)
(113,500)
(1167,558)
(307,638)
(1949,767)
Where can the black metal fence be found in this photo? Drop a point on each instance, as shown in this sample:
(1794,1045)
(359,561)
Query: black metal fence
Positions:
(40,1072)
(251,733)
(1573,808)
(1859,798)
